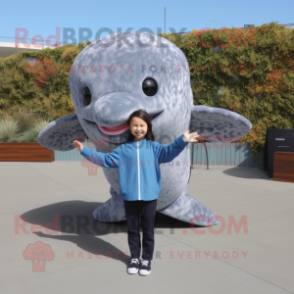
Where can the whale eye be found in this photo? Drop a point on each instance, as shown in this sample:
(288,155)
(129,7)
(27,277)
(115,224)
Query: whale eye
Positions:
(86,96)
(149,87)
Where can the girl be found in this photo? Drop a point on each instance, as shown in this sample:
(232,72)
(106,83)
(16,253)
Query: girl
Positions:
(139,181)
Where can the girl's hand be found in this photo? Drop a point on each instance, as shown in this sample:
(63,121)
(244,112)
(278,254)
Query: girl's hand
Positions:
(190,137)
(79,145)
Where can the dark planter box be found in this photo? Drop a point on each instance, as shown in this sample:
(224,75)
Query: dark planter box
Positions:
(26,152)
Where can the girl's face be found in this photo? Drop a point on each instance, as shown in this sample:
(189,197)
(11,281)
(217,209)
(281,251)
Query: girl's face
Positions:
(138,128)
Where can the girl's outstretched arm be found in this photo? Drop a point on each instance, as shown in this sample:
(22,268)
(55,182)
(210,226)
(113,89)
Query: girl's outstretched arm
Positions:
(109,160)
(167,153)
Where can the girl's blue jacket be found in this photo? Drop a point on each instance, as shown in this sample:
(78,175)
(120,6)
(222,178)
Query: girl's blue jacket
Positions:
(138,165)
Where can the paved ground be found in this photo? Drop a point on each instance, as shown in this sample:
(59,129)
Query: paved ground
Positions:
(256,257)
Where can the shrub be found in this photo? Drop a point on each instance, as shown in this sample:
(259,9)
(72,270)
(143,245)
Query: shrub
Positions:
(25,129)
(8,128)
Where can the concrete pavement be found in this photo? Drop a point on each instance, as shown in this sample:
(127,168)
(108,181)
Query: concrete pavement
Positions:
(250,251)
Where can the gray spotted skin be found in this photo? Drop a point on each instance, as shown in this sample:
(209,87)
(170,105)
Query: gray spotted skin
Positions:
(59,134)
(114,204)
(217,124)
(116,92)
(190,210)
(115,95)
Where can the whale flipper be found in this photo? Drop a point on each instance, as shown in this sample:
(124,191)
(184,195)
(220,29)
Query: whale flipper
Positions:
(189,210)
(214,124)
(113,210)
(60,134)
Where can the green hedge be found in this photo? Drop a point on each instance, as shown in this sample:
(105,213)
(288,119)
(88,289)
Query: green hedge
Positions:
(250,72)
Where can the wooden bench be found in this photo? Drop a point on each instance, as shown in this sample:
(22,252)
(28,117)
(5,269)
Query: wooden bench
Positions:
(25,152)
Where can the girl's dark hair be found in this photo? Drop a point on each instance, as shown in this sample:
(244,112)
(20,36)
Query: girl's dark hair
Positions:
(141,113)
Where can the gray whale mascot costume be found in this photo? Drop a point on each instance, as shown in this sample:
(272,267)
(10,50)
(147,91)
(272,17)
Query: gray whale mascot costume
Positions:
(123,72)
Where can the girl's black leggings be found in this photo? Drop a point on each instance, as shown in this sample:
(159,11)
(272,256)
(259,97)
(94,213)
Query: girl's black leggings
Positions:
(144,211)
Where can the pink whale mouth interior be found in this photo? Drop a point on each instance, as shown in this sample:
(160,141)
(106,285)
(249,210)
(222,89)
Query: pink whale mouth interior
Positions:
(117,129)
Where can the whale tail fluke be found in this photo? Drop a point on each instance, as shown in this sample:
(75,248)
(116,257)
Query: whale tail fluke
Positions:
(185,208)
(189,210)
(112,210)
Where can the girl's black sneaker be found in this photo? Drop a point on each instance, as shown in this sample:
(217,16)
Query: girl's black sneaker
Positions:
(133,266)
(145,267)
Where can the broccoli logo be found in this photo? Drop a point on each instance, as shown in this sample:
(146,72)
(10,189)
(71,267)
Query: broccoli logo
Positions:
(39,253)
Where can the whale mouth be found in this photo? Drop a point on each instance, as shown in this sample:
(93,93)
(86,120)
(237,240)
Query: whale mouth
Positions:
(117,130)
